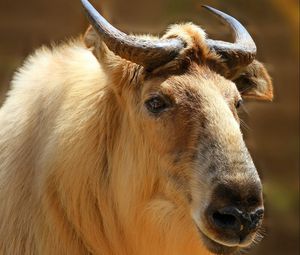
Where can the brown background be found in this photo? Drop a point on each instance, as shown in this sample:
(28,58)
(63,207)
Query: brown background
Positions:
(272,136)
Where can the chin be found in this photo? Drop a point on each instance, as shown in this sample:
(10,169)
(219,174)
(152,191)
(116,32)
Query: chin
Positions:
(215,247)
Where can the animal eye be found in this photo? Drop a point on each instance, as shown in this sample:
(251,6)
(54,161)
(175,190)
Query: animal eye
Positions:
(156,104)
(238,103)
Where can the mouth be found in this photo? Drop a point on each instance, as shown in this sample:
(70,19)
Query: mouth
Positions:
(215,247)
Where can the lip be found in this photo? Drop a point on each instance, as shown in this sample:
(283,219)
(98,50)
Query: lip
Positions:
(216,247)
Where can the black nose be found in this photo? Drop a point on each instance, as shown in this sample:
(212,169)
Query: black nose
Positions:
(234,220)
(236,209)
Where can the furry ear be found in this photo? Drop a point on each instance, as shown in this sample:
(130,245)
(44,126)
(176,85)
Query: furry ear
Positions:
(93,42)
(109,61)
(119,70)
(255,82)
(90,37)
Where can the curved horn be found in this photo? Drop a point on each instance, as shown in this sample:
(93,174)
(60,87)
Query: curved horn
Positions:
(240,53)
(148,53)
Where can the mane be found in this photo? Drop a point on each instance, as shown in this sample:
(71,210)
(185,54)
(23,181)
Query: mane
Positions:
(58,149)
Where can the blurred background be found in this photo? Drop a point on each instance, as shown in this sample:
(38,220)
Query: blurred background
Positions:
(273,128)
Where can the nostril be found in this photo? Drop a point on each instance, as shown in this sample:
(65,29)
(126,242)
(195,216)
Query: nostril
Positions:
(225,220)
(256,218)
(259,213)
(237,221)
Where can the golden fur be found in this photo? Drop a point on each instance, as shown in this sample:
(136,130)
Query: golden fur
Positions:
(82,171)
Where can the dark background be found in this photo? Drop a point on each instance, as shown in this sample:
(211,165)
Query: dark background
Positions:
(272,134)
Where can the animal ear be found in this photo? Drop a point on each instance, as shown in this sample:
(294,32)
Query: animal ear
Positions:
(93,42)
(113,64)
(107,58)
(255,82)
(90,37)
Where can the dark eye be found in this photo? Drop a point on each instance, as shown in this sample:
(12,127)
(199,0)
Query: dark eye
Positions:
(156,104)
(238,103)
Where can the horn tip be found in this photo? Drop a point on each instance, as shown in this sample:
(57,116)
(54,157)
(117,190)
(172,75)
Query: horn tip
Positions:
(213,10)
(207,7)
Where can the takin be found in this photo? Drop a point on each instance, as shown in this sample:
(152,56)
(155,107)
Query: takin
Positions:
(115,144)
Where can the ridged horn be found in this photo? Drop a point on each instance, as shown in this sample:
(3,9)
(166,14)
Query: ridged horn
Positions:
(239,53)
(148,53)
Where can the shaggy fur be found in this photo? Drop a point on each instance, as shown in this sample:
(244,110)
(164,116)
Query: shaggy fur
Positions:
(84,169)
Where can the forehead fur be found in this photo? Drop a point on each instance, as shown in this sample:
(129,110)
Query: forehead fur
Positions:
(191,34)
(195,51)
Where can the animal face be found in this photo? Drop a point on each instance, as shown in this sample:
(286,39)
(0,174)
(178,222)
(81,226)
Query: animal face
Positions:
(190,123)
(180,99)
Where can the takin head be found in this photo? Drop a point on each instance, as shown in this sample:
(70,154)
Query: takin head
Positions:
(181,93)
